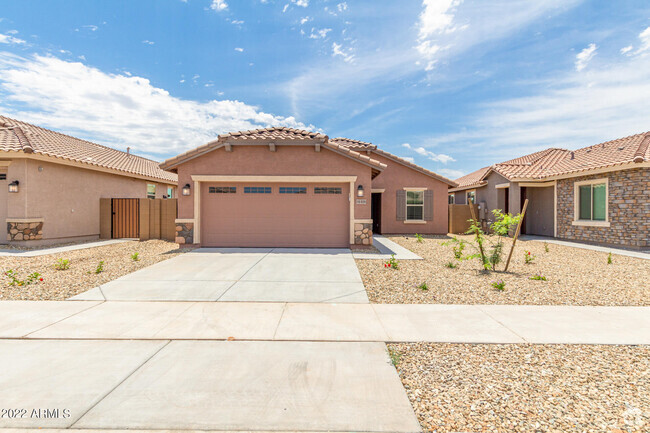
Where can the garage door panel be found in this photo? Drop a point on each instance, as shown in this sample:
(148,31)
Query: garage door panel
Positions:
(275,220)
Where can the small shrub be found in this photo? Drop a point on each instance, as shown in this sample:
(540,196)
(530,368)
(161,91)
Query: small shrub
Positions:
(546,247)
(100,267)
(500,285)
(528,257)
(392,263)
(451,265)
(538,277)
(609,258)
(394,356)
(32,278)
(419,238)
(135,257)
(423,286)
(62,264)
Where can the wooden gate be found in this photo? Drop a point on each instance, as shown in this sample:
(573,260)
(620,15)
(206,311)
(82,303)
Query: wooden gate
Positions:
(126,218)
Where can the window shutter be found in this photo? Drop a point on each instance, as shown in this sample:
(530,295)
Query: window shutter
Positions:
(401,205)
(428,205)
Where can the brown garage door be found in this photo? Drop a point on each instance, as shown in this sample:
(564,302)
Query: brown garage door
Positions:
(275,215)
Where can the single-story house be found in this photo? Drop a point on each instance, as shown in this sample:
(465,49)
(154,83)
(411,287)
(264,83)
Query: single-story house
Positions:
(51,183)
(283,187)
(597,194)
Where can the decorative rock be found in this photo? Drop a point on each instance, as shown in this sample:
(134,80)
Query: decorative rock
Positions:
(358,226)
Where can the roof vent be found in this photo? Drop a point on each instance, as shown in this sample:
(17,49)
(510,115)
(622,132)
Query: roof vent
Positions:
(621,147)
(128,151)
(588,150)
(572,155)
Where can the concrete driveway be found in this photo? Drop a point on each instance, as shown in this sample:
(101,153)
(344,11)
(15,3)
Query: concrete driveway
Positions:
(242,275)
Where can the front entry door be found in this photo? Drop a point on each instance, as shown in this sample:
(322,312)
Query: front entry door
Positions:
(376,213)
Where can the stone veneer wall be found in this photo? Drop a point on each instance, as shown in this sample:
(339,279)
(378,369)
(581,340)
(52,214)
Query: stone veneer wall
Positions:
(184,233)
(17,231)
(628,214)
(363,233)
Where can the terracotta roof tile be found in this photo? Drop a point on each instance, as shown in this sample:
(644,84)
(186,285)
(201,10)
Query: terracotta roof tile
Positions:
(473,179)
(17,136)
(353,144)
(275,133)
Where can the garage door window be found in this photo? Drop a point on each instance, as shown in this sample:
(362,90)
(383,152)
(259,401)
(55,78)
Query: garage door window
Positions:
(222,190)
(326,190)
(293,190)
(257,190)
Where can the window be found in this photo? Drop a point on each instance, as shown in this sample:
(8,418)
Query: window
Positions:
(222,190)
(452,198)
(151,191)
(326,190)
(293,190)
(414,205)
(591,201)
(471,197)
(170,192)
(257,190)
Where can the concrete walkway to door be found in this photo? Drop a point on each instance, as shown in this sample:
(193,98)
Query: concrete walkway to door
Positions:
(242,275)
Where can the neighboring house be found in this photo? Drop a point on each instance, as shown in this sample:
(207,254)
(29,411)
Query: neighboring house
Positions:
(598,194)
(282,187)
(51,183)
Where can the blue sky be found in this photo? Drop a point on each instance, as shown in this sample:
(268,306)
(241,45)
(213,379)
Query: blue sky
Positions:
(453,85)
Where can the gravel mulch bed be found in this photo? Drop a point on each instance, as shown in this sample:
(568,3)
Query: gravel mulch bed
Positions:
(574,277)
(81,276)
(527,388)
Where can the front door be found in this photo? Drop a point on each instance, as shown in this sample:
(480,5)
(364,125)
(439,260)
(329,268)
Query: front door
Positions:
(376,213)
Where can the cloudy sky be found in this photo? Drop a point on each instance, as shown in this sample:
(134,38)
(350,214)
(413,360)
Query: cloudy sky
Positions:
(452,84)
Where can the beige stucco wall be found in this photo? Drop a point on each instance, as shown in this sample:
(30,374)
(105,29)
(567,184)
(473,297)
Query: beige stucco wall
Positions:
(67,197)
(396,177)
(258,160)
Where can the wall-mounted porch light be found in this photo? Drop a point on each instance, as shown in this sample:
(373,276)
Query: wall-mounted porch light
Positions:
(186,189)
(13,186)
(360,191)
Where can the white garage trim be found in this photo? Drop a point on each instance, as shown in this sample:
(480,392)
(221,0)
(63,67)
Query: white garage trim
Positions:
(198,178)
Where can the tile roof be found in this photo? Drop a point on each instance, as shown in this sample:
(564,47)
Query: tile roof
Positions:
(554,162)
(274,133)
(362,145)
(17,136)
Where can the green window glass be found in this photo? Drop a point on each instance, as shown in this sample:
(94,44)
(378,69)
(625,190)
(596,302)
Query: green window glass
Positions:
(585,202)
(599,196)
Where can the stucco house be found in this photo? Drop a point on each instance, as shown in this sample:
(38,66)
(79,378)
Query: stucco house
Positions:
(51,183)
(597,194)
(283,187)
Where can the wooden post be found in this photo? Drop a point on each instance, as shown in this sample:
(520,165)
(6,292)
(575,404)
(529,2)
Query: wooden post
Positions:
(514,241)
(480,244)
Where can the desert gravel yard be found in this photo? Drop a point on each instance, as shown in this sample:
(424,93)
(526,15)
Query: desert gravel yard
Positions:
(573,277)
(81,275)
(526,388)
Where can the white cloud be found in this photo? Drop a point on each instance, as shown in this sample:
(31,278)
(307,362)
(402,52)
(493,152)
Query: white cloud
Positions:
(302,3)
(585,56)
(118,110)
(304,20)
(342,7)
(219,5)
(147,42)
(91,27)
(627,49)
(644,36)
(237,22)
(8,39)
(346,54)
(319,34)
(437,157)
(408,158)
(241,50)
(284,9)
(450,173)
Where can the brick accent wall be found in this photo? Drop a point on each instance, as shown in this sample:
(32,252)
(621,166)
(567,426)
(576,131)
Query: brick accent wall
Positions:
(17,231)
(628,214)
(184,233)
(363,233)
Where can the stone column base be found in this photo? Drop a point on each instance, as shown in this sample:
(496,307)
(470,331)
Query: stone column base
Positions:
(24,231)
(184,233)
(363,233)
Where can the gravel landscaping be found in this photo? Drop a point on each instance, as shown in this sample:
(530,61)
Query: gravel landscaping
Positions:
(81,276)
(526,388)
(574,276)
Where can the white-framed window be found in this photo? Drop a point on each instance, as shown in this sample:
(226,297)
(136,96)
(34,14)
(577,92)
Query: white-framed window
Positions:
(591,202)
(470,196)
(151,190)
(415,205)
(452,198)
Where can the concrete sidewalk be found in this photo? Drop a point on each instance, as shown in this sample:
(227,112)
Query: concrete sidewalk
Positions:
(325,322)
(386,248)
(620,251)
(57,250)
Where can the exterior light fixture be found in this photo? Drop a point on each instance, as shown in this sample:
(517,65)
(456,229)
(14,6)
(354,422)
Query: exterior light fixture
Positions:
(186,189)
(360,191)
(13,186)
